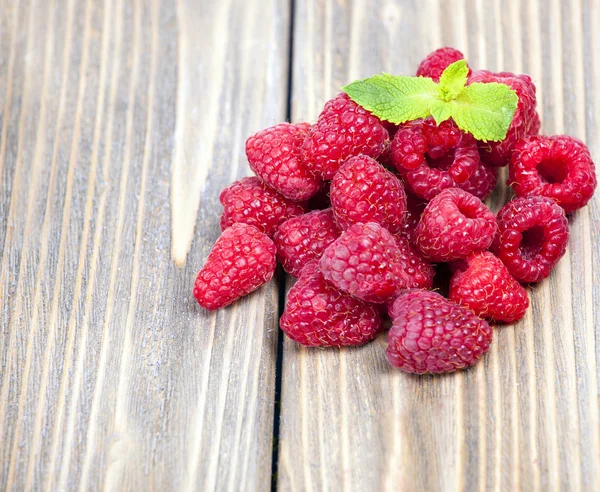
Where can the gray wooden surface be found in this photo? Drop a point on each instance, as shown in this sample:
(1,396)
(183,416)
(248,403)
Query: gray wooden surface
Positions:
(120,122)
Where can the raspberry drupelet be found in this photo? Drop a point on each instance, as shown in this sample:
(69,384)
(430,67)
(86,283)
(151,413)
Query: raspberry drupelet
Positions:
(558,167)
(431,334)
(532,236)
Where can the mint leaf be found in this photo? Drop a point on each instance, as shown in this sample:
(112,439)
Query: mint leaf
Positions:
(453,80)
(441,111)
(485,109)
(394,98)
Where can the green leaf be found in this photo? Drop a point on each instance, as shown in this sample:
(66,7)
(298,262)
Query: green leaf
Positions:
(394,98)
(485,110)
(453,80)
(441,111)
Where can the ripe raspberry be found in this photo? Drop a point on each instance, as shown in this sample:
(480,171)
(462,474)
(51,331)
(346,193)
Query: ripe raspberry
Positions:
(432,158)
(414,209)
(413,271)
(252,202)
(559,167)
(532,236)
(482,284)
(304,238)
(274,156)
(343,130)
(364,191)
(317,314)
(433,335)
(453,225)
(437,61)
(524,119)
(535,125)
(241,260)
(363,262)
(482,182)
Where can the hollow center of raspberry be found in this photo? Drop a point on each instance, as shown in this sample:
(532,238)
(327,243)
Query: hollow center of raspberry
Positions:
(532,242)
(552,171)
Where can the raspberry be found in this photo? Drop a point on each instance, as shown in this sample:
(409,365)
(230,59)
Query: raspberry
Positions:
(482,284)
(559,167)
(532,236)
(343,130)
(251,202)
(453,225)
(482,182)
(319,315)
(432,158)
(363,262)
(414,209)
(430,334)
(524,119)
(364,191)
(437,61)
(241,260)
(304,238)
(413,271)
(535,125)
(274,156)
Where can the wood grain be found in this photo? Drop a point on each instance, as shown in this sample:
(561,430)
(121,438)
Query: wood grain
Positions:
(527,417)
(121,121)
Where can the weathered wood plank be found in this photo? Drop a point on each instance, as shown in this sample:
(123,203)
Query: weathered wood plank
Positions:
(525,418)
(110,375)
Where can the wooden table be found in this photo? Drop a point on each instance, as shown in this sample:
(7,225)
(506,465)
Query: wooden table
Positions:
(120,123)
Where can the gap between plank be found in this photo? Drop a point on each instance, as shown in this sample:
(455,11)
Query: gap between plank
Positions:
(282,276)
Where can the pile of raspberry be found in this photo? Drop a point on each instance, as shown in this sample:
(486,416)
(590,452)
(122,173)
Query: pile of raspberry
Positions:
(362,212)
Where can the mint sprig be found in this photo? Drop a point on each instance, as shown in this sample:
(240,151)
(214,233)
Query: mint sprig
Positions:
(485,110)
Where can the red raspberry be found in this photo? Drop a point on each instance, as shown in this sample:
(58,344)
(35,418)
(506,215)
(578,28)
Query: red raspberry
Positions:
(364,191)
(274,156)
(413,271)
(431,334)
(453,225)
(437,61)
(241,260)
(343,130)
(559,167)
(319,315)
(414,209)
(482,284)
(524,119)
(363,262)
(431,158)
(252,202)
(482,182)
(535,125)
(532,236)
(304,238)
